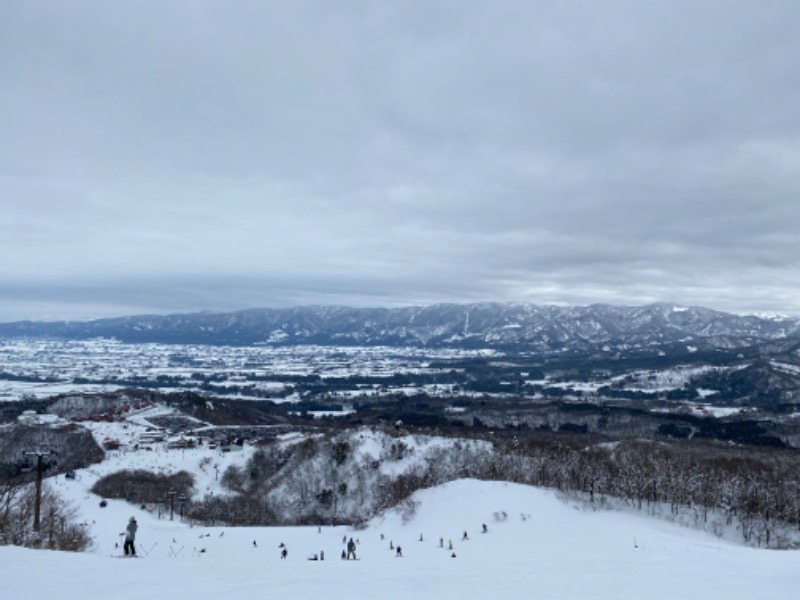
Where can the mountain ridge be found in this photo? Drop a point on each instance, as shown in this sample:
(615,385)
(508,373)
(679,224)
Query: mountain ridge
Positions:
(535,327)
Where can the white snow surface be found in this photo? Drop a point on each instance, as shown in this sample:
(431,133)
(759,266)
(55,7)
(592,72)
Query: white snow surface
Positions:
(537,546)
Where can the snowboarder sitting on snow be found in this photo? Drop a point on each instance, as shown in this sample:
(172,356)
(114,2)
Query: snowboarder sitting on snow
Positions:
(351,549)
(130,537)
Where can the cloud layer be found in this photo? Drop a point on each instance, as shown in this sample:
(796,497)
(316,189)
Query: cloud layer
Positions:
(162,157)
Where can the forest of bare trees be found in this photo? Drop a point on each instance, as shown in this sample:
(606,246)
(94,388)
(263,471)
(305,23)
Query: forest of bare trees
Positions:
(754,492)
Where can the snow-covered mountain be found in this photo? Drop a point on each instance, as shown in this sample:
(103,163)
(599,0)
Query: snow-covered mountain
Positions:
(540,328)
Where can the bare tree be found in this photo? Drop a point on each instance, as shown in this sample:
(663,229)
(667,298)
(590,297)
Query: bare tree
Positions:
(58,527)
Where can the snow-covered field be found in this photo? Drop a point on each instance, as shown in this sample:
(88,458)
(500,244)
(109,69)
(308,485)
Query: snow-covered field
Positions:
(536,546)
(43,368)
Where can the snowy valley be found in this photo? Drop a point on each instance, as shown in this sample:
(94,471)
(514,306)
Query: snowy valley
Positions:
(638,463)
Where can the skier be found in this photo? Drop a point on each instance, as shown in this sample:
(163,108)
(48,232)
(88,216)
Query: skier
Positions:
(449,544)
(399,552)
(485,529)
(464,537)
(322,555)
(284,553)
(130,537)
(351,549)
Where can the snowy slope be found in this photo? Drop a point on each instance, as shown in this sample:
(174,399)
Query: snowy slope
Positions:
(536,546)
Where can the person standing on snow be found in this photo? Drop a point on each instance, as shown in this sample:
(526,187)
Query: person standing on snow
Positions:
(130,537)
(351,549)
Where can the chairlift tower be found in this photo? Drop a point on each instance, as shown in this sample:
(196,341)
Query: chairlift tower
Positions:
(39,454)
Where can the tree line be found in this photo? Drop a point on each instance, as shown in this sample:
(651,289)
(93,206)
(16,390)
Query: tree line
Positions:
(324,479)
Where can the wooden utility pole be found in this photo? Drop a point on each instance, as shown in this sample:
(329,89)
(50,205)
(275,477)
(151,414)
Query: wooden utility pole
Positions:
(39,470)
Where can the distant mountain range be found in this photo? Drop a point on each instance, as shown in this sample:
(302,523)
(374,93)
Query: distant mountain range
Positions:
(530,327)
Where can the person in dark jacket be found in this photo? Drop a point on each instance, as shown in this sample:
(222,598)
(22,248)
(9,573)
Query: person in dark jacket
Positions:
(130,537)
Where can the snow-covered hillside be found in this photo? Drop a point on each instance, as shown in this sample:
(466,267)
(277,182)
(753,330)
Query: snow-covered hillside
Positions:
(544,328)
(535,546)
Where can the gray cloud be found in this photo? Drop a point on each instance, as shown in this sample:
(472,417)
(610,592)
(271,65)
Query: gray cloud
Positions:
(204,155)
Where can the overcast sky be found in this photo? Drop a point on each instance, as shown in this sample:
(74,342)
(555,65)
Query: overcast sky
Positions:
(168,156)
